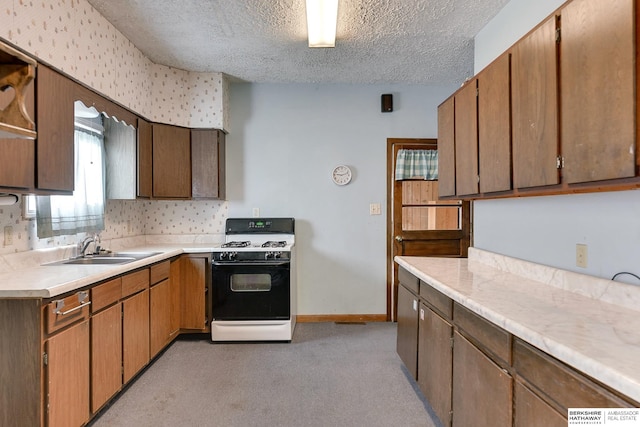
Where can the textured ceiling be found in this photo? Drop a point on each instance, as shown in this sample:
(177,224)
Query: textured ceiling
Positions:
(378,41)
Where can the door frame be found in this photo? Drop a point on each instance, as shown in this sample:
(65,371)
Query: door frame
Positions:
(415,143)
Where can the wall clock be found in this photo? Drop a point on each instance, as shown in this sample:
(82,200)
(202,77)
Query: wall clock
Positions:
(341,175)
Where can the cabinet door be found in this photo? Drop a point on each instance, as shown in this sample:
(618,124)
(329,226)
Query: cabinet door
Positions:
(145,159)
(171,162)
(160,316)
(18,160)
(106,355)
(531,411)
(598,90)
(68,377)
(435,358)
(446,149)
(54,145)
(466,134)
(494,127)
(193,291)
(135,334)
(481,389)
(534,87)
(407,335)
(207,163)
(175,285)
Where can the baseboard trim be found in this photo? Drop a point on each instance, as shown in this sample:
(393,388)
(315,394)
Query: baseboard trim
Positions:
(311,318)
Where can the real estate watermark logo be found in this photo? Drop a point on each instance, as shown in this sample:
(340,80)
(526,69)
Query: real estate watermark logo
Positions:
(615,417)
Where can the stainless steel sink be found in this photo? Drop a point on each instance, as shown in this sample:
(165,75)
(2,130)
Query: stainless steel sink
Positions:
(106,258)
(99,260)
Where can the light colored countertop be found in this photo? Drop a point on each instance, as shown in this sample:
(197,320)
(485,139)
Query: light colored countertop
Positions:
(589,323)
(23,275)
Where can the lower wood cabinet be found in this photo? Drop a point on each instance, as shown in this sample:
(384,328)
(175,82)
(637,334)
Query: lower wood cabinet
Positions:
(62,360)
(106,355)
(195,277)
(435,362)
(135,334)
(160,306)
(474,373)
(531,411)
(407,336)
(481,389)
(67,377)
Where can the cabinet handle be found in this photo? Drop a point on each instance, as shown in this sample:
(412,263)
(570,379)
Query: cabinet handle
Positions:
(399,238)
(81,297)
(58,311)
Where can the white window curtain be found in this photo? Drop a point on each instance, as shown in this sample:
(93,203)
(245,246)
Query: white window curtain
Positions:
(84,211)
(417,164)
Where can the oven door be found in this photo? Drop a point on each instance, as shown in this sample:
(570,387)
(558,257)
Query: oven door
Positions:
(248,290)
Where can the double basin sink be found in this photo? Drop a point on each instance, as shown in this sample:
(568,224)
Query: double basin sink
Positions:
(106,258)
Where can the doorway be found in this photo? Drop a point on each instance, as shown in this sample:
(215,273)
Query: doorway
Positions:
(419,223)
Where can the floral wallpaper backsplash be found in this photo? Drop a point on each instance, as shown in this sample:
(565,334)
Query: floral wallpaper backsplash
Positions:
(123,218)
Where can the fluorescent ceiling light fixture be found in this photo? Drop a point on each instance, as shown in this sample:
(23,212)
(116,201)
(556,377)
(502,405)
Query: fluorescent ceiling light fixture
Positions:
(322,16)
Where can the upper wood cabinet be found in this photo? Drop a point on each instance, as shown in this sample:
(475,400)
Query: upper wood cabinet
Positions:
(54,145)
(207,164)
(46,165)
(494,126)
(571,93)
(145,159)
(446,148)
(466,139)
(171,162)
(534,88)
(180,163)
(17,162)
(597,78)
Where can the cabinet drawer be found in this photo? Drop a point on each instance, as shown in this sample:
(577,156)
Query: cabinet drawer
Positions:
(410,281)
(63,312)
(135,282)
(439,301)
(566,387)
(486,335)
(106,294)
(160,271)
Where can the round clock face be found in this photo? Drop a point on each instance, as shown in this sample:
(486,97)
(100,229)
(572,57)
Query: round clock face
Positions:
(341,175)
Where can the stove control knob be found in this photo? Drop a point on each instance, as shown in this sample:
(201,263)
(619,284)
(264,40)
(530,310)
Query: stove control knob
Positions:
(224,255)
(268,255)
(233,256)
(277,255)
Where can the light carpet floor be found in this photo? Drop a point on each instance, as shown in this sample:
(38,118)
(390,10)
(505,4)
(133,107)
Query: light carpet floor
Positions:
(329,375)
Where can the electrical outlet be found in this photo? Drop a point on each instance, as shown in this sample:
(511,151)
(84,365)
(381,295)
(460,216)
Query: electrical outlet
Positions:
(581,255)
(374,209)
(256,212)
(8,235)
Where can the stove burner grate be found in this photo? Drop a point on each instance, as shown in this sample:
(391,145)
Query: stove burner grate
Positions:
(274,244)
(237,244)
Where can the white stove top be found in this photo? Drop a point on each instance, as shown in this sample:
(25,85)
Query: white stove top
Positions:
(256,242)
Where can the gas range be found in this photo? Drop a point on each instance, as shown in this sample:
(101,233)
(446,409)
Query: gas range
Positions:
(254,281)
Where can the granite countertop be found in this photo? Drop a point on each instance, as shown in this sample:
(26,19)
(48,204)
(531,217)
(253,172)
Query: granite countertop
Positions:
(589,323)
(24,275)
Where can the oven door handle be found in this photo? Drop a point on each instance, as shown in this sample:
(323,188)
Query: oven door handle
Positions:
(251,264)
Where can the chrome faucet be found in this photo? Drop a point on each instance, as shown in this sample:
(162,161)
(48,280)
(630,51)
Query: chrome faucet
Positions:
(82,246)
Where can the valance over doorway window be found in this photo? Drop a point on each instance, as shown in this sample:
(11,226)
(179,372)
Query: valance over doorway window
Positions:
(417,164)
